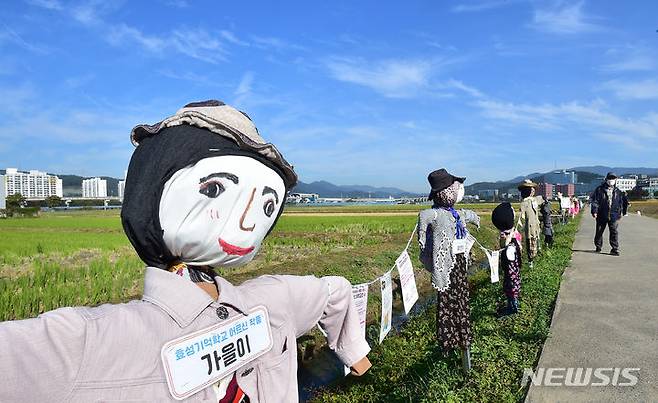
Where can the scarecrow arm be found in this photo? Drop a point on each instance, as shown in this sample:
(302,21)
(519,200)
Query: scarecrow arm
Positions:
(328,300)
(469,216)
(40,357)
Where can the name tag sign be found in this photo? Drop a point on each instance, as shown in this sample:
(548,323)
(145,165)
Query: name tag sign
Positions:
(458,246)
(197,360)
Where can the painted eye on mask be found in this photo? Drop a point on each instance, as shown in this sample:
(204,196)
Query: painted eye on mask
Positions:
(211,189)
(268,208)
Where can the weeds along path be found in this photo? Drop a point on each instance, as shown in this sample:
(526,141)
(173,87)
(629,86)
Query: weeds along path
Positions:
(410,367)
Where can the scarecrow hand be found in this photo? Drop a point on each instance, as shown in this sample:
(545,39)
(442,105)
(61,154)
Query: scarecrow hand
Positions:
(361,367)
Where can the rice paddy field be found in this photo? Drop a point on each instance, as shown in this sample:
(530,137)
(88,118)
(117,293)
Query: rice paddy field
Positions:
(645,207)
(83,258)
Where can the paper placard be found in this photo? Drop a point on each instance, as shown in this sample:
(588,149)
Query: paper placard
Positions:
(407,281)
(458,246)
(470,241)
(493,257)
(197,360)
(360,297)
(387,305)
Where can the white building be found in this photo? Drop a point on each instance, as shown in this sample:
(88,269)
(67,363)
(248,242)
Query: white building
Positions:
(31,185)
(94,188)
(626,184)
(3,193)
(650,185)
(121,187)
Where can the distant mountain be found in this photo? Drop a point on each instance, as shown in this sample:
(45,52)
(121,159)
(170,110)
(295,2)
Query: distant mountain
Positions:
(602,170)
(327,189)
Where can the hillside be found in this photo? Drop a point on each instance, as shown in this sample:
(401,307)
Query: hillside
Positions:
(327,189)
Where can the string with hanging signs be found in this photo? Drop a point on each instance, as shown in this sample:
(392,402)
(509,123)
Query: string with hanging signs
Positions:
(408,282)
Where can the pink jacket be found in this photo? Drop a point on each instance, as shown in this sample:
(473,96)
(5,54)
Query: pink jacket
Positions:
(112,352)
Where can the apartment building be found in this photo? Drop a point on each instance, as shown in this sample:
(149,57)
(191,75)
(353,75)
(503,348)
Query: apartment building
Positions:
(94,188)
(626,184)
(121,189)
(31,185)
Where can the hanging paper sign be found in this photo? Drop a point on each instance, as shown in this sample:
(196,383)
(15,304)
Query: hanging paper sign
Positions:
(387,305)
(360,297)
(197,360)
(493,257)
(470,241)
(458,246)
(407,281)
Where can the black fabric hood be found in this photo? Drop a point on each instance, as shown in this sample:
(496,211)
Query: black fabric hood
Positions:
(152,164)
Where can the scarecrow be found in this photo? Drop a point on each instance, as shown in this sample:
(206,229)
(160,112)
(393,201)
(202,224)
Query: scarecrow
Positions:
(442,236)
(531,228)
(203,190)
(545,209)
(510,261)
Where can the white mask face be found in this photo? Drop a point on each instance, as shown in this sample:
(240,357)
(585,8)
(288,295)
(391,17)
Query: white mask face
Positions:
(460,193)
(218,211)
(611,182)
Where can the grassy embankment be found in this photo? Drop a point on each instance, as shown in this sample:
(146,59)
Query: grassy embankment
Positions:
(646,207)
(410,367)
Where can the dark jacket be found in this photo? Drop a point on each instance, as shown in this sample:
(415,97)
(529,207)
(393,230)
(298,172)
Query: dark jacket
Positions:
(601,206)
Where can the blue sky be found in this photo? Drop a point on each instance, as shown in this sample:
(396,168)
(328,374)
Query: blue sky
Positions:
(366,92)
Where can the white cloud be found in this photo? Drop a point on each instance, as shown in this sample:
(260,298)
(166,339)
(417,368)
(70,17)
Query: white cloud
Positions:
(195,43)
(473,7)
(472,91)
(391,78)
(232,38)
(623,139)
(630,58)
(177,3)
(197,79)
(78,81)
(592,118)
(8,35)
(564,19)
(47,4)
(198,44)
(273,43)
(638,90)
(245,84)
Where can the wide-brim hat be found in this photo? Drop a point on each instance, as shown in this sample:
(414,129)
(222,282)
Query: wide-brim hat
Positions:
(502,216)
(611,175)
(226,121)
(527,183)
(441,179)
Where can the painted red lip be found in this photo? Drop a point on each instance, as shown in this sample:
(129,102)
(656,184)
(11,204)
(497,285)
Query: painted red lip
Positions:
(234,250)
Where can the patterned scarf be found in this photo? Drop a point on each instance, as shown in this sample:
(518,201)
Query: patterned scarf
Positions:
(447,198)
(460,228)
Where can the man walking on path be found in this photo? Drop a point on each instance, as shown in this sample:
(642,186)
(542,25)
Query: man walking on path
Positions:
(609,205)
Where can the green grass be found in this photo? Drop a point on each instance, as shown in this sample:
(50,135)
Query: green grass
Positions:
(84,258)
(410,367)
